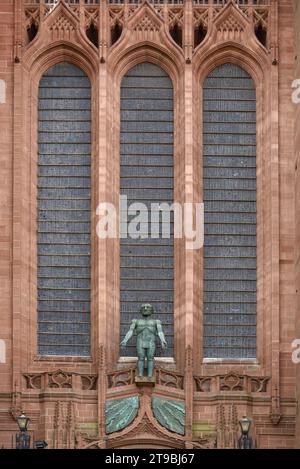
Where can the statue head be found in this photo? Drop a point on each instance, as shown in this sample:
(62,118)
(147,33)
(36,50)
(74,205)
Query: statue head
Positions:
(146,310)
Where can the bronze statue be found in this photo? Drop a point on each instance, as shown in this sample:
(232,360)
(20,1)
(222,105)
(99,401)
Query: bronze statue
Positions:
(146,330)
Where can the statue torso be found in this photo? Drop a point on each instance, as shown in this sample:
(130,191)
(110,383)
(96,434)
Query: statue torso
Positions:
(146,330)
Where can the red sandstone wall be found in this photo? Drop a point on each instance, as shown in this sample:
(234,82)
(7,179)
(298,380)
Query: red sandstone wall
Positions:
(287,215)
(297,200)
(85,410)
(6,162)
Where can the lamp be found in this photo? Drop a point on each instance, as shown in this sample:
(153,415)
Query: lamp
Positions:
(245,424)
(23,422)
(22,438)
(245,442)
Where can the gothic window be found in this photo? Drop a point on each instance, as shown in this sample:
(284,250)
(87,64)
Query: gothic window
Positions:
(229,159)
(146,176)
(63,223)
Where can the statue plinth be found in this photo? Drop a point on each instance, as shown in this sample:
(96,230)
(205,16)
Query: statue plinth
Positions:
(145,381)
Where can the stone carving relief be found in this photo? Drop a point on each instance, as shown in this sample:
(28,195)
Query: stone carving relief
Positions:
(65,22)
(232,382)
(64,425)
(170,414)
(227,426)
(89,382)
(169,378)
(230,30)
(145,20)
(33,381)
(163,377)
(143,427)
(60,379)
(121,378)
(202,384)
(62,28)
(119,413)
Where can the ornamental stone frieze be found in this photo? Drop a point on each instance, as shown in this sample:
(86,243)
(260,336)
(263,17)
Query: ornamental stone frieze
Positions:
(59,380)
(181,26)
(119,379)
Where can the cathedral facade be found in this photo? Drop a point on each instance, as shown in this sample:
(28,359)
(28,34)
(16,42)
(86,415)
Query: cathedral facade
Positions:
(110,104)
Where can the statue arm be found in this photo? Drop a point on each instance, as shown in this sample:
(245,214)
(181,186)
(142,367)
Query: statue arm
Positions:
(161,335)
(129,333)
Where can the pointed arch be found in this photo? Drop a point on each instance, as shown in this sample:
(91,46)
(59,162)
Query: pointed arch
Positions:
(118,65)
(64,212)
(256,63)
(146,177)
(229,195)
(36,62)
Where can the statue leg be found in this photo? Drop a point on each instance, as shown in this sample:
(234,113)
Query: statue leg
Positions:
(150,360)
(141,360)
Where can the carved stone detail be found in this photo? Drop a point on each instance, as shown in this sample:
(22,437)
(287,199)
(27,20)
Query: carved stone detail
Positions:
(62,28)
(33,381)
(259,384)
(91,17)
(202,443)
(70,426)
(32,15)
(146,427)
(261,17)
(231,29)
(232,382)
(64,425)
(163,377)
(116,15)
(176,16)
(60,379)
(203,384)
(121,378)
(101,356)
(83,441)
(275,413)
(89,382)
(231,19)
(227,427)
(169,378)
(57,435)
(146,24)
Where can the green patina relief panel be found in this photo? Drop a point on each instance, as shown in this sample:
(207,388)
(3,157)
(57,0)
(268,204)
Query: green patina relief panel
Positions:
(119,413)
(170,414)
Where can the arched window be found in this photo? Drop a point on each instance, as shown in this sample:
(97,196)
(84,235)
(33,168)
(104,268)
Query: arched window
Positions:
(229,159)
(146,176)
(63,238)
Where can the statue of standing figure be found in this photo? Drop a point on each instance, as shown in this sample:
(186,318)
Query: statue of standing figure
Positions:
(147,330)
